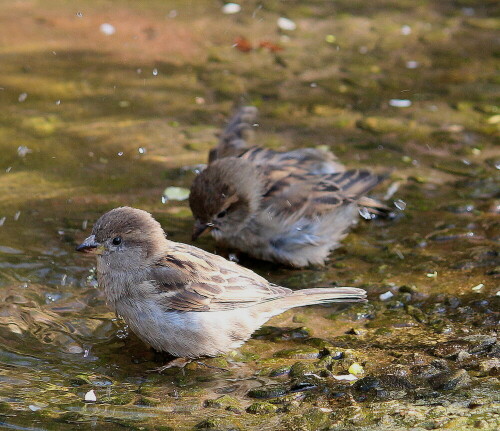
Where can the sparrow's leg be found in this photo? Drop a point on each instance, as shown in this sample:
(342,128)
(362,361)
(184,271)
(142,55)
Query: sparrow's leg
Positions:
(181,363)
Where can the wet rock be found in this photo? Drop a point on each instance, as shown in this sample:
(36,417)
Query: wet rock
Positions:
(269,391)
(385,386)
(214,423)
(262,408)
(473,344)
(449,380)
(225,402)
(281,371)
(300,369)
(301,353)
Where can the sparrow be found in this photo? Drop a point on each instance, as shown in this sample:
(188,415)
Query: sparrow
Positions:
(288,207)
(183,300)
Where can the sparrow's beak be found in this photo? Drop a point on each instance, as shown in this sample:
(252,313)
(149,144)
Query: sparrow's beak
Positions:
(199,228)
(91,246)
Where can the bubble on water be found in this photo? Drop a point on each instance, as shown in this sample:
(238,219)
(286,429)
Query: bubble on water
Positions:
(79,14)
(17,215)
(58,102)
(122,333)
(400,204)
(107,29)
(286,24)
(412,64)
(405,30)
(52,297)
(142,150)
(2,220)
(120,153)
(155,72)
(231,8)
(22,97)
(400,103)
(86,353)
(22,150)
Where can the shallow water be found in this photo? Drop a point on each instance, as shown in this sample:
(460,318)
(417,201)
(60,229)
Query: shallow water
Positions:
(91,121)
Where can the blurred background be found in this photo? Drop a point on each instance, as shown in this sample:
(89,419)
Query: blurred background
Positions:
(106,103)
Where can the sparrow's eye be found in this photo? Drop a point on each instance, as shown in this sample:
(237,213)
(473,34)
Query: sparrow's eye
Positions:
(222,214)
(117,240)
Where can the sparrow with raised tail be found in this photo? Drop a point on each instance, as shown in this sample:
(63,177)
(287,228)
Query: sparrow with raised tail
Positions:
(183,300)
(292,207)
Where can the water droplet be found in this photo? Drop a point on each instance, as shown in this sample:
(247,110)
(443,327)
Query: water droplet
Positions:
(63,279)
(79,14)
(120,153)
(400,204)
(142,150)
(58,102)
(17,215)
(22,150)
(400,103)
(363,212)
(164,199)
(155,72)
(84,224)
(231,8)
(412,64)
(233,258)
(22,97)
(2,221)
(107,29)
(313,85)
(286,24)
(405,30)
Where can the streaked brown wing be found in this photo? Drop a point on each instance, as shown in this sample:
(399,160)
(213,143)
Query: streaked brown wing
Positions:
(190,279)
(306,195)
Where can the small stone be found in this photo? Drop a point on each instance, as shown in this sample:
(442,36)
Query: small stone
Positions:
(262,408)
(449,380)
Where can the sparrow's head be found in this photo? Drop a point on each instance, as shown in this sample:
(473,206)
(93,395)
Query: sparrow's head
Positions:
(126,235)
(225,196)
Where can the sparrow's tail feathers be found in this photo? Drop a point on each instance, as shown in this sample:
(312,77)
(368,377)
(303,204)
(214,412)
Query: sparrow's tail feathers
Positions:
(324,295)
(235,138)
(356,182)
(375,207)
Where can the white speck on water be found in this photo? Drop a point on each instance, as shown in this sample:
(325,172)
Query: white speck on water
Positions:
(400,204)
(399,254)
(22,97)
(231,8)
(2,221)
(385,296)
(432,274)
(22,150)
(497,165)
(86,353)
(60,232)
(122,333)
(107,29)
(233,258)
(313,84)
(63,279)
(176,193)
(84,224)
(58,102)
(8,169)
(286,24)
(17,215)
(90,396)
(412,64)
(172,14)
(347,377)
(478,287)
(164,200)
(400,103)
(155,72)
(34,408)
(199,100)
(120,153)
(141,150)
(79,14)
(466,162)
(363,212)
(405,30)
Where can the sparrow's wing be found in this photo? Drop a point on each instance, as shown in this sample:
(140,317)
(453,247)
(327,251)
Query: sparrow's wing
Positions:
(190,279)
(307,160)
(306,195)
